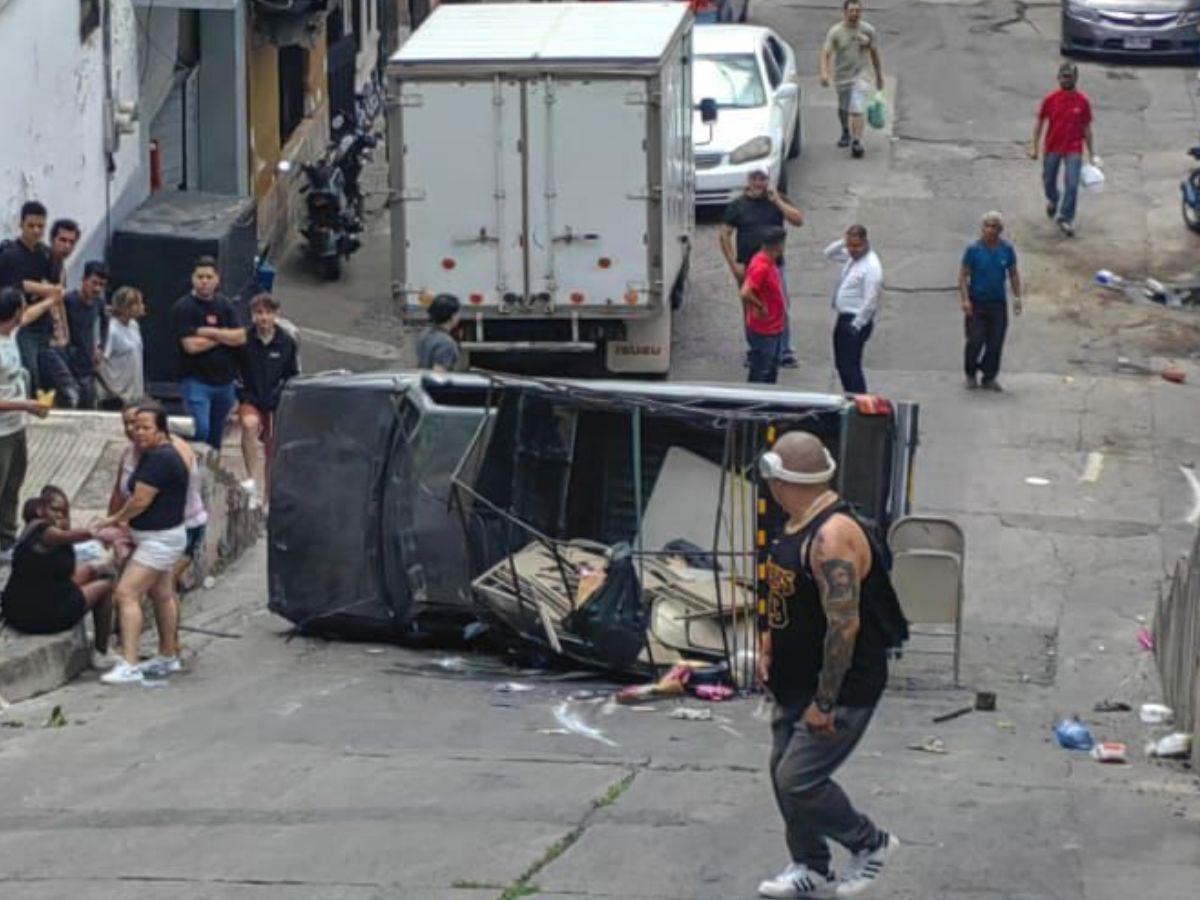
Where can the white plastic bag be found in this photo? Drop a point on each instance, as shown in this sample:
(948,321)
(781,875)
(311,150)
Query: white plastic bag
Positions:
(1091,177)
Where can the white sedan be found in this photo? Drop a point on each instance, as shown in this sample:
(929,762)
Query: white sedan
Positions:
(747,108)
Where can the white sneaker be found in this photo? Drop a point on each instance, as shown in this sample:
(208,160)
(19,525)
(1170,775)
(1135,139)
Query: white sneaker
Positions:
(798,880)
(104,661)
(123,673)
(161,666)
(866,866)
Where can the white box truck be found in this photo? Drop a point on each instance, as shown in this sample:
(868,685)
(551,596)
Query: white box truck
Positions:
(541,171)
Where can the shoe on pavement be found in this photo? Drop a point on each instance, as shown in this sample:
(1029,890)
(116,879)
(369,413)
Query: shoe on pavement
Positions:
(161,666)
(1051,210)
(844,140)
(790,362)
(866,866)
(798,880)
(1066,228)
(991,384)
(102,662)
(123,673)
(250,486)
(971,383)
(856,149)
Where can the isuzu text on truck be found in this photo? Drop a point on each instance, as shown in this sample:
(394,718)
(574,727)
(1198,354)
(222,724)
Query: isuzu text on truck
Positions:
(542,172)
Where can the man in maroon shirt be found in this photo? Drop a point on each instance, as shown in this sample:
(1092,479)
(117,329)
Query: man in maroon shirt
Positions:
(766,308)
(1066,115)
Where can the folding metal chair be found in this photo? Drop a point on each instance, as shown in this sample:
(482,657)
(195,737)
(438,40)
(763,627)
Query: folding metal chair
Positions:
(927,572)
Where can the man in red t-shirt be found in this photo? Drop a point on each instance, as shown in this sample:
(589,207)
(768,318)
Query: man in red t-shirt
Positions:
(765,306)
(1066,116)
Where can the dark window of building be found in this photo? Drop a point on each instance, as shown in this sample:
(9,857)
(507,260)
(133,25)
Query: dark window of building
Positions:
(293,84)
(89,18)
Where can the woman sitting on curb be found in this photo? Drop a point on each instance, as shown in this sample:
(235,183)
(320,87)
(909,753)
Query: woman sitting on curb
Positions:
(47,593)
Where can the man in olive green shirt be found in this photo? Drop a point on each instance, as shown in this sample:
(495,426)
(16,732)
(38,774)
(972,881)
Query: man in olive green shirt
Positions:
(849,45)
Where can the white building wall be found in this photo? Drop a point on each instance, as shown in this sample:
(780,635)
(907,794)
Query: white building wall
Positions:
(51,97)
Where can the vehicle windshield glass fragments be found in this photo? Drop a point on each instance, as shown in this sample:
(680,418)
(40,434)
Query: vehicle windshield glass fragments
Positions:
(733,81)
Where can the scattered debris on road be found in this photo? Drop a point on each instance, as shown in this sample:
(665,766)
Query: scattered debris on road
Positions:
(1171,746)
(1072,734)
(1110,752)
(1155,714)
(930,745)
(689,714)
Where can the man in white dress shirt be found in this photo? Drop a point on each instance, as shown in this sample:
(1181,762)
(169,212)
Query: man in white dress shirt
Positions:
(856,298)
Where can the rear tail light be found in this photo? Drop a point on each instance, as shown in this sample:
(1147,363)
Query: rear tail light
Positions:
(871,405)
(604,262)
(448,263)
(577,297)
(476,297)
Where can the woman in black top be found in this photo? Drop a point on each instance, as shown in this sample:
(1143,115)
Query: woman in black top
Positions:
(47,592)
(154,510)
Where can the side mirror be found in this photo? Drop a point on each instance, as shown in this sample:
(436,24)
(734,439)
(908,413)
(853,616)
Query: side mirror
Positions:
(787,93)
(708,110)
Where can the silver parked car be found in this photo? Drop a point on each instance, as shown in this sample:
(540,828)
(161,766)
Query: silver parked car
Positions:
(1135,28)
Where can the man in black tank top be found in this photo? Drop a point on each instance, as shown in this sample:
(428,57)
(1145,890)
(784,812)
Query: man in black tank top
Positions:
(823,657)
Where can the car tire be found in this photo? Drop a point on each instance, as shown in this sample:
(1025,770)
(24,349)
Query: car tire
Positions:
(794,148)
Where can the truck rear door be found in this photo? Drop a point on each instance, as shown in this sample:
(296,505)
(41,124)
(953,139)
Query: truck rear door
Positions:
(461,191)
(879,442)
(588,192)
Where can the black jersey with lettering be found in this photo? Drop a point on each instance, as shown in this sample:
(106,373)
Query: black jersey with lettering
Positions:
(797,622)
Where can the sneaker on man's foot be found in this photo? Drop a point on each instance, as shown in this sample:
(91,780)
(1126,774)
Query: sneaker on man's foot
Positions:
(971,383)
(790,362)
(250,486)
(123,673)
(1051,210)
(161,666)
(798,880)
(1066,228)
(991,384)
(844,140)
(102,662)
(856,149)
(866,865)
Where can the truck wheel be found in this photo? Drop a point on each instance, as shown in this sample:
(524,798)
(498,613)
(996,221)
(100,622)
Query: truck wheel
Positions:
(680,289)
(794,149)
(331,268)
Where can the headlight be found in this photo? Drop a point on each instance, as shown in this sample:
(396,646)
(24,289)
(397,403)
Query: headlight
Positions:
(756,148)
(1191,17)
(1080,12)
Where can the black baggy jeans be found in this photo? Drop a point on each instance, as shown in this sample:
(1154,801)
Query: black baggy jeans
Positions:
(815,808)
(985,339)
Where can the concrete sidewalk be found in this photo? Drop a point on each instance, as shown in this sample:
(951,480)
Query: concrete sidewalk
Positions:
(79,452)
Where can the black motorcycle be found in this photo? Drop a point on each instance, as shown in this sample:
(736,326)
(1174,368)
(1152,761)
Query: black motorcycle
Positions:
(330,223)
(1190,188)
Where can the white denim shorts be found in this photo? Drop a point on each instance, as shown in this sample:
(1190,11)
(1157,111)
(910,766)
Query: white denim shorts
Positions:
(159,550)
(853,97)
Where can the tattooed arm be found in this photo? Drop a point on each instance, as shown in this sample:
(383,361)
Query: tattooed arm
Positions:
(840,560)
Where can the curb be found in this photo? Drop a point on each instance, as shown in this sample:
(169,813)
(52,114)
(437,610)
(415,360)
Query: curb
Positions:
(40,664)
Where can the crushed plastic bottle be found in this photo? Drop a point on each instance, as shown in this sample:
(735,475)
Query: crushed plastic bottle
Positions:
(1073,734)
(1105,278)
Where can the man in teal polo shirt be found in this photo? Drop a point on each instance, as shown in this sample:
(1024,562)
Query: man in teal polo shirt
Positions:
(987,265)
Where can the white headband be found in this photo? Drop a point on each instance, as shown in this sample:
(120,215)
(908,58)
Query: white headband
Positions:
(770,467)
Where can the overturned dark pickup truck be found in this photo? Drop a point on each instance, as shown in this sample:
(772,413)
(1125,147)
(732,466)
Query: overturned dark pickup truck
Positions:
(566,515)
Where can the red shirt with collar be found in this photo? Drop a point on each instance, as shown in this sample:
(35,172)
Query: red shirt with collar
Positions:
(1068,115)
